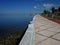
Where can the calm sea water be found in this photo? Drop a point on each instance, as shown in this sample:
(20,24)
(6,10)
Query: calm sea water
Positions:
(14,22)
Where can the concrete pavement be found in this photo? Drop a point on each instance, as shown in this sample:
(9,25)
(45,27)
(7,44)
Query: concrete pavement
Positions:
(42,32)
(46,31)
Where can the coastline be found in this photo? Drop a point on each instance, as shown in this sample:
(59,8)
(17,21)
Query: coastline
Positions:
(14,37)
(38,24)
(28,38)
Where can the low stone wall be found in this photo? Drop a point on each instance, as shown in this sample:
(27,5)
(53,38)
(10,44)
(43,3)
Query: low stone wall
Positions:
(28,38)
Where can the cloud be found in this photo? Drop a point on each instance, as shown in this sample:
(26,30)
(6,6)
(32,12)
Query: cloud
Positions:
(35,7)
(48,5)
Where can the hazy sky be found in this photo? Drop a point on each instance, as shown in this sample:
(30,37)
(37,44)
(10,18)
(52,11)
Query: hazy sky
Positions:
(27,6)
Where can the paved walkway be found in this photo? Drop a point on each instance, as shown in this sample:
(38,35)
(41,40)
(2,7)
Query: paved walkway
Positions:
(42,32)
(46,31)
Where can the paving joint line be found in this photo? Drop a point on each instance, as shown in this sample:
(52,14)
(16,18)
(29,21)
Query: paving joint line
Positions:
(48,28)
(49,36)
(55,38)
(42,40)
(41,34)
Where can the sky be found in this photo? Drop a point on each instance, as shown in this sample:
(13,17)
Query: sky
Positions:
(27,6)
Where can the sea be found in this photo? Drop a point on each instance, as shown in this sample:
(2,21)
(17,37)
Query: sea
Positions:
(10,23)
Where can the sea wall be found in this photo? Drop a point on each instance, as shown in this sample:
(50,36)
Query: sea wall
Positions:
(28,38)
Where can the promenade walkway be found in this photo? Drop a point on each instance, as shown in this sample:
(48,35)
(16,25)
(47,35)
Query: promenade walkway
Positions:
(42,32)
(46,32)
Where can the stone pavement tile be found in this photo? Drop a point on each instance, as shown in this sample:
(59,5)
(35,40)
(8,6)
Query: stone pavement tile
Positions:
(38,25)
(50,26)
(58,26)
(54,29)
(46,33)
(39,38)
(44,18)
(49,42)
(36,30)
(45,23)
(45,27)
(57,36)
(53,24)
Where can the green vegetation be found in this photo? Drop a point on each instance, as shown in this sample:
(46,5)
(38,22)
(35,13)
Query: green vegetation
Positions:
(53,13)
(46,13)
